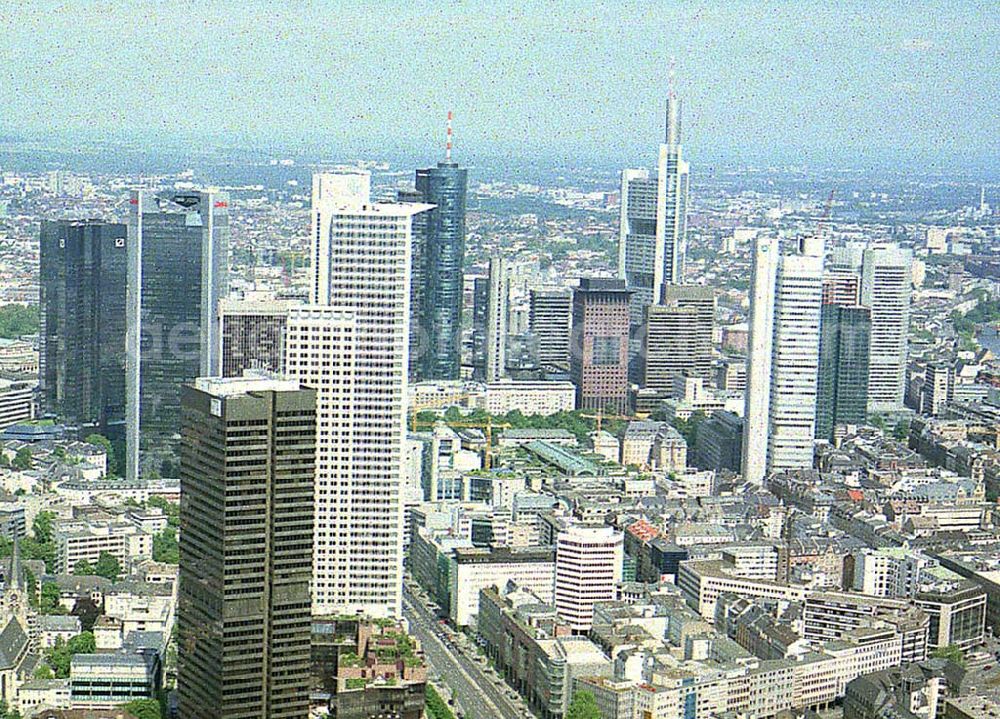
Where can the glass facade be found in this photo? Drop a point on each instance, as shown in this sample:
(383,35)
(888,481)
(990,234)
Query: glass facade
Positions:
(842,391)
(441,272)
(178,244)
(82,300)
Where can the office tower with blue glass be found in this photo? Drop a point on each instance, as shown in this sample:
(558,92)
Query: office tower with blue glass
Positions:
(178,255)
(82,300)
(437,268)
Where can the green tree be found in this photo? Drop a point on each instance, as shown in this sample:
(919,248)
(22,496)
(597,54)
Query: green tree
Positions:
(901,431)
(61,654)
(7,713)
(31,548)
(42,527)
(108,567)
(435,705)
(143,708)
(23,459)
(171,509)
(49,603)
(99,440)
(165,548)
(17,320)
(951,653)
(583,706)
(44,671)
(83,568)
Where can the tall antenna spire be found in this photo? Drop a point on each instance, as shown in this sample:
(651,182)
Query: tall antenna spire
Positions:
(447,150)
(673,134)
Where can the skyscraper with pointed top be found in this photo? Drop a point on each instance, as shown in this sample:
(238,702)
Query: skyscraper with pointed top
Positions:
(653,224)
(438,259)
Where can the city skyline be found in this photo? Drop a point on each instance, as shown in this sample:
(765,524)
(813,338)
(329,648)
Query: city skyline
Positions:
(846,87)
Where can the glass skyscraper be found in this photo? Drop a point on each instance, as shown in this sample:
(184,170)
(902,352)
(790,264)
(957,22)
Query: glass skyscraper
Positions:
(439,268)
(82,300)
(842,393)
(178,246)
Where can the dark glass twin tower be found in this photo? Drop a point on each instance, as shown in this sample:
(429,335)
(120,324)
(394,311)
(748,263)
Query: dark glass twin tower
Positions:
(437,274)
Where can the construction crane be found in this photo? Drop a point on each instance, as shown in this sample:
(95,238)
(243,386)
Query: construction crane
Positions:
(824,220)
(452,401)
(487,425)
(600,416)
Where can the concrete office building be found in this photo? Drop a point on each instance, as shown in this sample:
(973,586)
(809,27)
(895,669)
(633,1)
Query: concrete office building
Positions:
(886,289)
(252,334)
(678,339)
(362,273)
(247,473)
(550,321)
(82,278)
(599,360)
(588,569)
(178,257)
(780,404)
(764,270)
(495,320)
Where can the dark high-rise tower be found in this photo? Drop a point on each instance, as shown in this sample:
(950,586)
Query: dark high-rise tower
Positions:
(599,357)
(243,616)
(178,244)
(842,389)
(82,299)
(440,271)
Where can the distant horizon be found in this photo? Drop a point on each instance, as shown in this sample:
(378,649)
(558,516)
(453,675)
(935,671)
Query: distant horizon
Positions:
(315,151)
(856,85)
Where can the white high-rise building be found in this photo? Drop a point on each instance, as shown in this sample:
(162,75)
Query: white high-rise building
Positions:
(356,349)
(886,287)
(760,343)
(497,308)
(588,568)
(780,407)
(653,221)
(795,359)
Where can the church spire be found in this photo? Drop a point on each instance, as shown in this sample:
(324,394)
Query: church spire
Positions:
(14,580)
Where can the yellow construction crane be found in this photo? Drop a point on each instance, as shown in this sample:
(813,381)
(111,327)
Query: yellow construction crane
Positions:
(600,416)
(486,425)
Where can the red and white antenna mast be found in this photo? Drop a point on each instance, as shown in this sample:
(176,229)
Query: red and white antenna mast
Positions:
(447,147)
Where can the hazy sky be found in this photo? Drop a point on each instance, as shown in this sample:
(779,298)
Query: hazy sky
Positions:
(835,83)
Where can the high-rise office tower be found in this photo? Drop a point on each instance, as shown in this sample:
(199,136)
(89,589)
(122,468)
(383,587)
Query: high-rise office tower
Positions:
(795,361)
(760,343)
(842,392)
(780,415)
(362,271)
(885,289)
(443,229)
(599,357)
(243,614)
(550,321)
(495,330)
(178,256)
(480,305)
(678,337)
(419,342)
(252,334)
(588,569)
(82,299)
(653,220)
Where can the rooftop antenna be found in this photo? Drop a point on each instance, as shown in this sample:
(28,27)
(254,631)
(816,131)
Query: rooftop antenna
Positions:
(447,150)
(673,130)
